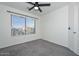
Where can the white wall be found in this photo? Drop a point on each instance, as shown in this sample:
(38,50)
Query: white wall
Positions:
(55,26)
(5,28)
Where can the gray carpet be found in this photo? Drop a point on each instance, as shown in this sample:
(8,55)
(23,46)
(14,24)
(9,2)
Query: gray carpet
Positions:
(36,48)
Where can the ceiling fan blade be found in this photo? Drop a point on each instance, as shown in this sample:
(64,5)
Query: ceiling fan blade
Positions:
(30,3)
(40,9)
(31,8)
(44,5)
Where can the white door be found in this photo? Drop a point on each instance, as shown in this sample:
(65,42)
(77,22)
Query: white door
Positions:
(73,32)
(76,31)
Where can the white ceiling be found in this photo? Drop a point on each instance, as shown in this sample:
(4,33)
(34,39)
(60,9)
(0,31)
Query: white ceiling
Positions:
(24,7)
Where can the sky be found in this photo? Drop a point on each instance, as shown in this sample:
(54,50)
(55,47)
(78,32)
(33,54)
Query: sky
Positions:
(19,22)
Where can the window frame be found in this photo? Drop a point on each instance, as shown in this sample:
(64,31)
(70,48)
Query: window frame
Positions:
(24,23)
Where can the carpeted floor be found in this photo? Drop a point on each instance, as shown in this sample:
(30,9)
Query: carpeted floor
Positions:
(36,48)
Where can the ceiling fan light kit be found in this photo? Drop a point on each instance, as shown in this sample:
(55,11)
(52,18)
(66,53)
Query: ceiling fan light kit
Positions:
(37,6)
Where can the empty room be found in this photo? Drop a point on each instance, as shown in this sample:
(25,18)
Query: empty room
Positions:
(39,28)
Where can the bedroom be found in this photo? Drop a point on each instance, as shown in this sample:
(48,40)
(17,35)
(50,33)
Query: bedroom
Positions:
(50,32)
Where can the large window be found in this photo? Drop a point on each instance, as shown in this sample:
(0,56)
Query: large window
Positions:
(22,25)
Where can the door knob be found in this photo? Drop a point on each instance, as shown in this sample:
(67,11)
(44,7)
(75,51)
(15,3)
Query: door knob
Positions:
(74,32)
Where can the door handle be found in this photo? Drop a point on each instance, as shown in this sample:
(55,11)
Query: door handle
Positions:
(74,32)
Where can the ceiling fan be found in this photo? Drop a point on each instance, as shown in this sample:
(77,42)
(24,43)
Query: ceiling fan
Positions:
(37,6)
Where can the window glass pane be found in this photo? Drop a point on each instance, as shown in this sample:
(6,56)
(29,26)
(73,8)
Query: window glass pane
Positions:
(30,25)
(18,25)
